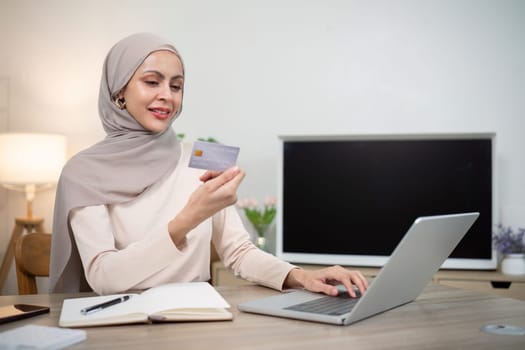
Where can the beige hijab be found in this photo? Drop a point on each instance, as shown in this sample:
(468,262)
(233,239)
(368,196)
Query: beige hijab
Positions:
(115,170)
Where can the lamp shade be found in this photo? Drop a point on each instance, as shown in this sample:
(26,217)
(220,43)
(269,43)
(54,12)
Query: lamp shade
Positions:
(27,158)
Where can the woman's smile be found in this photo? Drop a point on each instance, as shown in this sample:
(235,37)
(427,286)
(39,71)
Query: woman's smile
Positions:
(160,112)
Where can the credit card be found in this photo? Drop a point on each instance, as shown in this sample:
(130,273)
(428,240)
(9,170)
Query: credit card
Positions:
(213,156)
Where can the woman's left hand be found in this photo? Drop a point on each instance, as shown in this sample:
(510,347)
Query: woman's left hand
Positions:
(324,280)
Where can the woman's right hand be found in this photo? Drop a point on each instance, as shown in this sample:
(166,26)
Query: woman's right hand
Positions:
(219,190)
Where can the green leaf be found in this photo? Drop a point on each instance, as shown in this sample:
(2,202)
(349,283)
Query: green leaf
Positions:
(209,139)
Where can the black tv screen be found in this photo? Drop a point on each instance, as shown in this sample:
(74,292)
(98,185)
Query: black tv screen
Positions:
(350,199)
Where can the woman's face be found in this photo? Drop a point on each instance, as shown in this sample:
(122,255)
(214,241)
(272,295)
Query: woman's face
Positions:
(154,94)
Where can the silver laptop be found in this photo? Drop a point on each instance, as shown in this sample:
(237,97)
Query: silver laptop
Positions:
(425,246)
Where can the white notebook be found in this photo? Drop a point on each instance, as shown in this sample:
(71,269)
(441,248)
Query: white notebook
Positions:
(193,301)
(40,337)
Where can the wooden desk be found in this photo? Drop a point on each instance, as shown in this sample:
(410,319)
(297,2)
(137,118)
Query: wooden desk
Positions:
(492,282)
(442,317)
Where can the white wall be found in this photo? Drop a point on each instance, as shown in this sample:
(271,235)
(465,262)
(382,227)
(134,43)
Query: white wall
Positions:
(257,69)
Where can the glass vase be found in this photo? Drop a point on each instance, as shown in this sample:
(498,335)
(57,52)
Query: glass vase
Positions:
(260,242)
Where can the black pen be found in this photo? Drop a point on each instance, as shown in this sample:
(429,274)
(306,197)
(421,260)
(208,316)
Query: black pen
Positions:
(90,309)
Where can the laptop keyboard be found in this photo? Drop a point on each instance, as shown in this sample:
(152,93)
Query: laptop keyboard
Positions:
(327,305)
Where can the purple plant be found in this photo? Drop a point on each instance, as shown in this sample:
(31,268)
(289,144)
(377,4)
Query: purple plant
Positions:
(508,242)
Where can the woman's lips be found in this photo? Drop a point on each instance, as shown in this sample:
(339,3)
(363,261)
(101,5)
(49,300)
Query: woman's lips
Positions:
(160,113)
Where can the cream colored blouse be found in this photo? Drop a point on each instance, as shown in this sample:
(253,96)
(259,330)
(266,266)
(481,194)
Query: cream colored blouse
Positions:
(127,246)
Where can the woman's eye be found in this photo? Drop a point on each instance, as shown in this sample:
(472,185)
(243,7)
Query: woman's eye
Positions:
(151,82)
(175,87)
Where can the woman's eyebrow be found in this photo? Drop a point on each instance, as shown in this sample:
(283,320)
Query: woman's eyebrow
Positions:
(160,75)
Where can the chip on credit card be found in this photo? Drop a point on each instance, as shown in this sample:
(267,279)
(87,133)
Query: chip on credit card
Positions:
(213,156)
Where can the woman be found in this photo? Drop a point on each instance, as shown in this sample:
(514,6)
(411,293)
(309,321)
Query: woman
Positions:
(130,213)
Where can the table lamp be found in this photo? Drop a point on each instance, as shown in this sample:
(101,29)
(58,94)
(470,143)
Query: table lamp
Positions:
(29,163)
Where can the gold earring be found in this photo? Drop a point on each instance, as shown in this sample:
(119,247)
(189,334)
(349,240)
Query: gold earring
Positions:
(120,102)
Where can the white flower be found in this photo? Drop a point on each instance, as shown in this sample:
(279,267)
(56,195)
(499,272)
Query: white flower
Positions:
(250,203)
(270,201)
